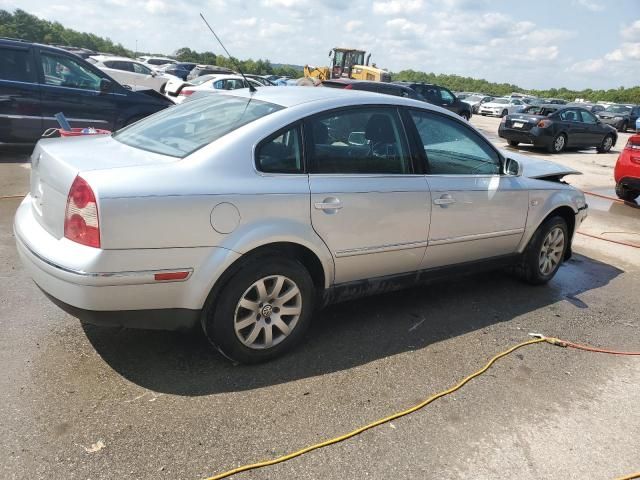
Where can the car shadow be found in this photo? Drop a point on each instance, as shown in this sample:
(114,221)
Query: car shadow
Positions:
(345,335)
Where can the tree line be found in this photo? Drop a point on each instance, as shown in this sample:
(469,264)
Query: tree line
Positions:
(23,25)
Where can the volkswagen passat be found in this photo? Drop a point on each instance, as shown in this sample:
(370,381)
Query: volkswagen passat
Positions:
(245,212)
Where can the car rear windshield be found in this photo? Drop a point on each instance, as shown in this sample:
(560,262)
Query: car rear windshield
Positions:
(181,130)
(539,110)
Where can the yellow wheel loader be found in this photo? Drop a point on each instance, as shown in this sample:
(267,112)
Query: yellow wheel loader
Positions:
(348,63)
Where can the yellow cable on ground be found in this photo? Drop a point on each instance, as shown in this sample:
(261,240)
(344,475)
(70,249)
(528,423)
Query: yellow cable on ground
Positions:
(630,477)
(358,431)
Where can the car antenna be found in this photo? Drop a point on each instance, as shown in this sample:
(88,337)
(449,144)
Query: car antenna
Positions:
(252,89)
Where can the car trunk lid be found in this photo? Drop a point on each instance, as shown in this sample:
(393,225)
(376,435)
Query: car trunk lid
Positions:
(55,163)
(522,121)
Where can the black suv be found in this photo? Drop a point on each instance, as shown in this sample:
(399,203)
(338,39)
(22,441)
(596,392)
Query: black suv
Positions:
(378,87)
(440,96)
(38,81)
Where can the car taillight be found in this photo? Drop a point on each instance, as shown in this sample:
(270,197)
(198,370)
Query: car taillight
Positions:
(633,144)
(186,93)
(81,215)
(349,87)
(544,123)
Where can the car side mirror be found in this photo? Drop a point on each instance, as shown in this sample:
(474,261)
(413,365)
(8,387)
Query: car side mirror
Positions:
(105,85)
(512,167)
(357,138)
(154,73)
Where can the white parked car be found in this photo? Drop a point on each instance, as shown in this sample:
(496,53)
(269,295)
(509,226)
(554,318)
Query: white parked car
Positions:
(244,212)
(208,83)
(154,63)
(502,106)
(130,72)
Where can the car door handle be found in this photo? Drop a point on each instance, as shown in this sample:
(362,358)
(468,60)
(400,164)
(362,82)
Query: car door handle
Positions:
(444,200)
(329,204)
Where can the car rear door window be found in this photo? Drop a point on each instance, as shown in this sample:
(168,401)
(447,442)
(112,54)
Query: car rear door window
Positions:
(64,71)
(453,148)
(16,65)
(358,141)
(281,153)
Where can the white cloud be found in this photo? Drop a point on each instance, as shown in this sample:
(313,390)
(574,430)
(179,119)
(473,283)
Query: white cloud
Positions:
(246,22)
(394,7)
(155,6)
(543,53)
(632,32)
(404,27)
(627,51)
(590,5)
(592,65)
(352,25)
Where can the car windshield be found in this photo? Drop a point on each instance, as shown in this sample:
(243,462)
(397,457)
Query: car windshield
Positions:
(500,100)
(617,109)
(181,130)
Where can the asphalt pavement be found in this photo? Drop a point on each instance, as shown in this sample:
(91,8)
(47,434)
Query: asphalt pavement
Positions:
(83,402)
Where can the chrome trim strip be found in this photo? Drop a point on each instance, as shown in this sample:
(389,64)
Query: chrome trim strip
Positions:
(22,117)
(477,236)
(379,249)
(137,277)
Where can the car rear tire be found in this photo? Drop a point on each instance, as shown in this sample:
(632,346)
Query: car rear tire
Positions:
(504,113)
(607,143)
(513,143)
(248,324)
(626,194)
(558,143)
(545,252)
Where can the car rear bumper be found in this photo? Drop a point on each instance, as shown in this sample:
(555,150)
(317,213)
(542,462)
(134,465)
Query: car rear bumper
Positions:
(534,136)
(97,289)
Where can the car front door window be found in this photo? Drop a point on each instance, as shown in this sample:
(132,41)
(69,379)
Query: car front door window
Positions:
(446,96)
(64,71)
(141,69)
(453,148)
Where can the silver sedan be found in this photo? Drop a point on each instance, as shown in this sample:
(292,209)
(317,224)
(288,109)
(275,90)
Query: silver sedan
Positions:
(244,213)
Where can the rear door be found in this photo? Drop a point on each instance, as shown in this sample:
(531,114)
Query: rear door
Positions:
(72,86)
(477,213)
(368,202)
(20,109)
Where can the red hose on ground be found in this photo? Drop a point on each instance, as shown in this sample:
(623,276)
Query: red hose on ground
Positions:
(620,242)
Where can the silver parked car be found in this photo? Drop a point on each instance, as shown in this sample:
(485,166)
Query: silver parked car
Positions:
(245,212)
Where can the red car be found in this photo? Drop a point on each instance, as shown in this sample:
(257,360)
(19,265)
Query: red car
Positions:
(627,170)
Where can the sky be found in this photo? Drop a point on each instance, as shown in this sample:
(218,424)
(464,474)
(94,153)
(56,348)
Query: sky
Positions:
(534,44)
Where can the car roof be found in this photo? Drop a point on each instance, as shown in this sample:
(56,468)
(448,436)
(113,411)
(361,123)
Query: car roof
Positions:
(295,95)
(103,58)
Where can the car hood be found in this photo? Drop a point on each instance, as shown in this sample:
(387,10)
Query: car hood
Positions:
(538,168)
(495,105)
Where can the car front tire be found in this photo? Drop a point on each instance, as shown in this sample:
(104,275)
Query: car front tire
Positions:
(262,311)
(545,252)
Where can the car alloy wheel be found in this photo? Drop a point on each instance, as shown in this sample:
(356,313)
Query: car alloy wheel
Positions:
(558,143)
(267,312)
(551,251)
(607,143)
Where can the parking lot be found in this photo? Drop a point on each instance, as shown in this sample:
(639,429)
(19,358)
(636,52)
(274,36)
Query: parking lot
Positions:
(83,402)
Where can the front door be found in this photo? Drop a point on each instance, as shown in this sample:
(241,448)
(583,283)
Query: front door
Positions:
(72,86)
(368,204)
(477,213)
